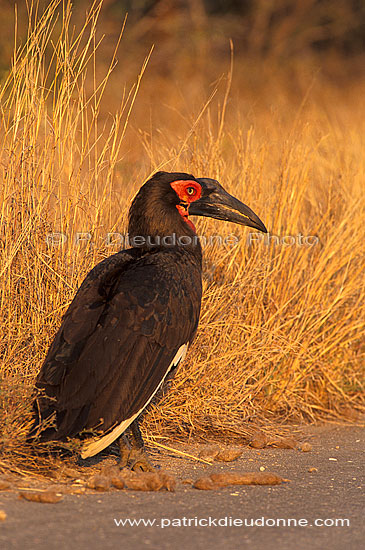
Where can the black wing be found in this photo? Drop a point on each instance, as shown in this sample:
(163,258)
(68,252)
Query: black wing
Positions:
(118,338)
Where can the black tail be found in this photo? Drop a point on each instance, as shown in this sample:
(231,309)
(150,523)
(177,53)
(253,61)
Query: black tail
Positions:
(52,425)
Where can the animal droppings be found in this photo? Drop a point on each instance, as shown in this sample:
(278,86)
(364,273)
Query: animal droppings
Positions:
(118,482)
(48,497)
(258,441)
(209,454)
(284,443)
(215,481)
(99,483)
(205,484)
(228,455)
(147,481)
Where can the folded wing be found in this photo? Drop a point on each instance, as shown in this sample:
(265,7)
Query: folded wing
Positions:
(128,325)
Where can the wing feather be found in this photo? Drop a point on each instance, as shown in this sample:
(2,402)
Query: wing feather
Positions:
(117,341)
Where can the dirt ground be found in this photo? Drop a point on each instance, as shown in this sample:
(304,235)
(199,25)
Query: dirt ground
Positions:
(325,488)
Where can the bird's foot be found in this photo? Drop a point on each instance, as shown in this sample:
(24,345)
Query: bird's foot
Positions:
(136,460)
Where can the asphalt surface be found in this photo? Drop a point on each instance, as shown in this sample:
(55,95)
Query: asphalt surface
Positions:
(334,492)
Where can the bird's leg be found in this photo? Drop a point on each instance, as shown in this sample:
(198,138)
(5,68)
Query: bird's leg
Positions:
(124,449)
(137,436)
(132,453)
(138,452)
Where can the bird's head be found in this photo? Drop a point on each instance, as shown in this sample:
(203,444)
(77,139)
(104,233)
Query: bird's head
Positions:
(164,203)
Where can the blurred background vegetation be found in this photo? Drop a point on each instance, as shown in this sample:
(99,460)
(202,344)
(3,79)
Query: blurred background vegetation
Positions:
(283,32)
(282,50)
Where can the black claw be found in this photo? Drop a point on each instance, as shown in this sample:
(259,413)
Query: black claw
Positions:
(132,453)
(142,466)
(136,460)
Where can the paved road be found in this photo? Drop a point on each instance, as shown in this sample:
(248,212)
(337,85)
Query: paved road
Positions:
(334,491)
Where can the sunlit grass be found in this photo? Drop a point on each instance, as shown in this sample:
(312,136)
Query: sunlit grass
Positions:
(282,328)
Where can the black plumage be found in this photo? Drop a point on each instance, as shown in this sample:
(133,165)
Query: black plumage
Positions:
(133,316)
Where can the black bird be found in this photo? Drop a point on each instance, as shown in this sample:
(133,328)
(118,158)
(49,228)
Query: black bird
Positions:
(132,319)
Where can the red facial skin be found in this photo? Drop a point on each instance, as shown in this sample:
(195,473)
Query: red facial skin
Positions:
(181,187)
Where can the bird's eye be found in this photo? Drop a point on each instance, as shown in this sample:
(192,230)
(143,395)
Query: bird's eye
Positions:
(191,191)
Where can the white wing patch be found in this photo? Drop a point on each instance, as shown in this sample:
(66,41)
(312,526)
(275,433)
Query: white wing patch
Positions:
(94,446)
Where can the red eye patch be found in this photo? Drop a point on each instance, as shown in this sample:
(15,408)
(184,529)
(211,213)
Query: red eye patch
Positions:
(187,190)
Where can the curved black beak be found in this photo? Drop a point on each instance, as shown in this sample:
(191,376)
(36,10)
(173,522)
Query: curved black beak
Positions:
(215,202)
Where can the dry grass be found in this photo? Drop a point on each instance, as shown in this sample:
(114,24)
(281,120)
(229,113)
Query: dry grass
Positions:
(282,328)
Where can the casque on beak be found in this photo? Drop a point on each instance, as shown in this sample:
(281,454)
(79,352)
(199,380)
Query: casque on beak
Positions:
(215,202)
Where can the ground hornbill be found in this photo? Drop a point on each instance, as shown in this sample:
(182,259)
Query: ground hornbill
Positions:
(132,319)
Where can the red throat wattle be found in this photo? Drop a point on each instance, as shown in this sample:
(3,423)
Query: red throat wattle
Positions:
(185,216)
(188,192)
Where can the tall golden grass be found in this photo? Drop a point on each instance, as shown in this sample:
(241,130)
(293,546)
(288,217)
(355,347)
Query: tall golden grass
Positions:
(282,328)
